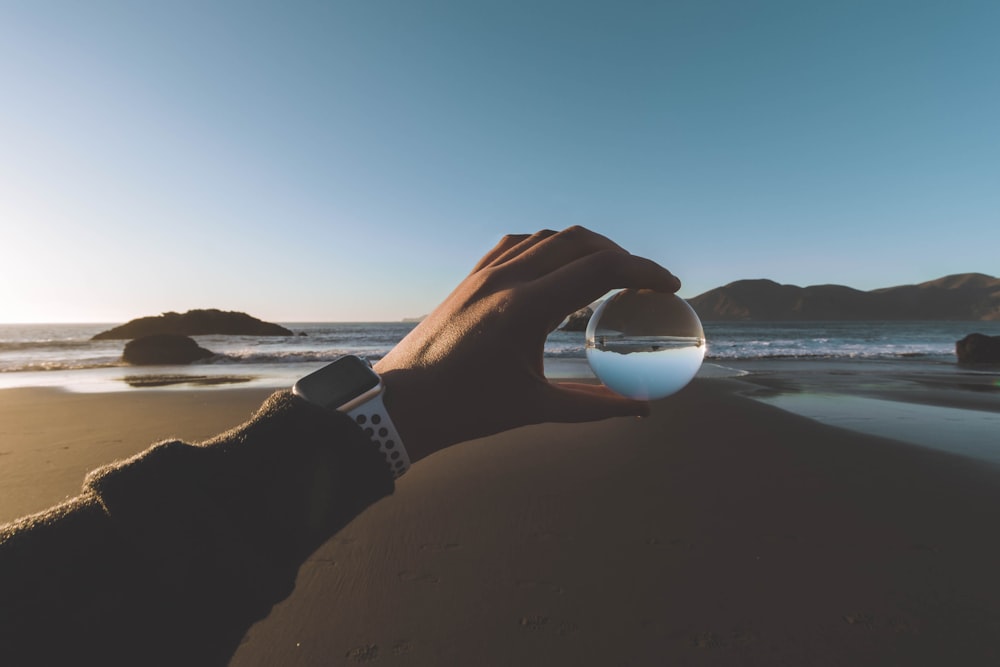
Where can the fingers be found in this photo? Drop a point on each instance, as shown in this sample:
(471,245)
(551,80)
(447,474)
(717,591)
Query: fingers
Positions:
(571,402)
(588,278)
(526,243)
(572,268)
(505,244)
(547,251)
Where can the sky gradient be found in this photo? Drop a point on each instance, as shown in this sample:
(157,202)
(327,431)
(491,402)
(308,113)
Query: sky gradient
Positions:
(350,161)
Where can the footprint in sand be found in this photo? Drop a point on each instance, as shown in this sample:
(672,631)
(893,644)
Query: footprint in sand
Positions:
(860,619)
(709,640)
(538,622)
(671,542)
(902,626)
(421,577)
(366,653)
(435,548)
(544,585)
(716,640)
(322,560)
(545,536)
(402,647)
(534,622)
(566,628)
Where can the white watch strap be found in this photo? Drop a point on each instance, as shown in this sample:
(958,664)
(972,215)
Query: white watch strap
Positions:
(373,418)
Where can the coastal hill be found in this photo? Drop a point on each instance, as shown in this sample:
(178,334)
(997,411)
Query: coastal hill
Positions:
(195,323)
(966,296)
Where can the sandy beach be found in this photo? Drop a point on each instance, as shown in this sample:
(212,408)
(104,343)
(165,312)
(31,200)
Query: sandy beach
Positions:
(721,530)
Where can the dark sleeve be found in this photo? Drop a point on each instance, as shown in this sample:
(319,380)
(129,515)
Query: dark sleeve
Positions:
(170,556)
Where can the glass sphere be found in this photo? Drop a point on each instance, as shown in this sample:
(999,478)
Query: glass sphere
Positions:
(645,344)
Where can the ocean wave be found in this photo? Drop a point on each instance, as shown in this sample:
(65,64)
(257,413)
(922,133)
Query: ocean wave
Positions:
(42,366)
(823,355)
(566,353)
(319,356)
(290,356)
(35,345)
(30,348)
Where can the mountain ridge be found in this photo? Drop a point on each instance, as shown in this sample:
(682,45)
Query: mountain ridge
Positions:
(960,296)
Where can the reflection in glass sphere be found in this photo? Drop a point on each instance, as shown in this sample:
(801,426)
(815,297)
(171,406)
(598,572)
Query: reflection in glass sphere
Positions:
(644,344)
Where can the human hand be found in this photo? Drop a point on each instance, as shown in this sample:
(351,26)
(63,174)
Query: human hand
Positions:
(473,367)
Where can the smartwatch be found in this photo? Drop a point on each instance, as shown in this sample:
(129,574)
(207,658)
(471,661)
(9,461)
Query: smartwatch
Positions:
(351,386)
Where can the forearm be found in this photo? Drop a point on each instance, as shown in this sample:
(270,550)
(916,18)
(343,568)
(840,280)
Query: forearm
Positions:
(186,545)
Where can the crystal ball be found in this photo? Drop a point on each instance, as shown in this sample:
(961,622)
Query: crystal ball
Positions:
(644,344)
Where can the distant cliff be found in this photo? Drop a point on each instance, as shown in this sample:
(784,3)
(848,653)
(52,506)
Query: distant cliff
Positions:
(966,296)
(195,323)
(578,321)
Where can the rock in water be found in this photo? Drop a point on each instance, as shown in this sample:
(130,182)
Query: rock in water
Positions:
(163,349)
(195,323)
(578,320)
(977,348)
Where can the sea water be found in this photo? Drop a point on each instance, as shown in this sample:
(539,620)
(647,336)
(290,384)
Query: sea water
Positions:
(646,367)
(65,355)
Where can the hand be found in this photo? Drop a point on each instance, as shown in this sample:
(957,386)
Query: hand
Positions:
(473,367)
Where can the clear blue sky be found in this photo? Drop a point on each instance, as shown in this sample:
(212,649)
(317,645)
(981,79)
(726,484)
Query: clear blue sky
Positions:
(352,160)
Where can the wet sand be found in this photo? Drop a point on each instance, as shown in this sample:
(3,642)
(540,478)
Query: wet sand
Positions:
(50,439)
(721,530)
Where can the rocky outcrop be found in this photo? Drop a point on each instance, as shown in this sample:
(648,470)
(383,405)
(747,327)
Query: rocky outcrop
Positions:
(162,349)
(195,323)
(966,296)
(977,348)
(578,320)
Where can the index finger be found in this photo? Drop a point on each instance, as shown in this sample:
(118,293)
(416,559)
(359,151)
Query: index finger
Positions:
(588,278)
(552,251)
(506,243)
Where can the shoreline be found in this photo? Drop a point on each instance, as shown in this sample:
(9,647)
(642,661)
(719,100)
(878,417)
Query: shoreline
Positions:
(51,438)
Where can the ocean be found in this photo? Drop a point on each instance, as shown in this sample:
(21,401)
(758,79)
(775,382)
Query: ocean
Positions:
(64,355)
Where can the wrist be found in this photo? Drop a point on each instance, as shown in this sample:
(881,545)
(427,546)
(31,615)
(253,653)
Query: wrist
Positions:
(350,386)
(410,399)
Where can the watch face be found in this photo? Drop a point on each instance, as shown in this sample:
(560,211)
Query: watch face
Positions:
(339,382)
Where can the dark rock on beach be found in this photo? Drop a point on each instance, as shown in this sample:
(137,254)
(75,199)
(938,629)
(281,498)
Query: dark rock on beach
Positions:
(195,323)
(578,320)
(161,349)
(977,348)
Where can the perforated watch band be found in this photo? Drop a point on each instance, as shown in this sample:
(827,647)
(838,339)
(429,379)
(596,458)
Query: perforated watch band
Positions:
(372,417)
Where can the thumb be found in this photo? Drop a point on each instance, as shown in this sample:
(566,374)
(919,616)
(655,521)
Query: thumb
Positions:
(575,402)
